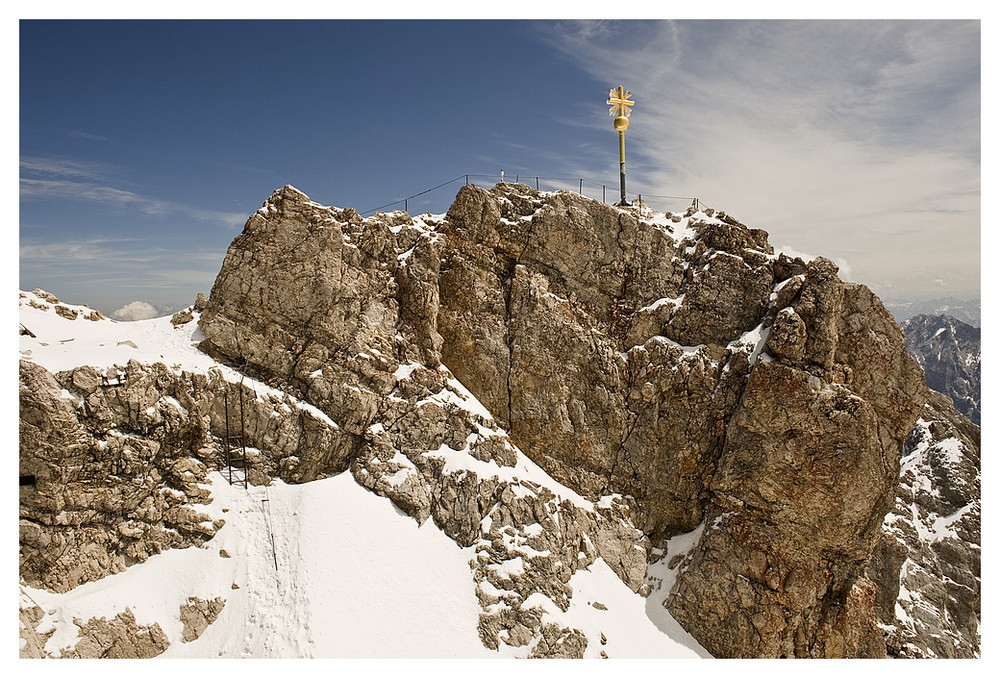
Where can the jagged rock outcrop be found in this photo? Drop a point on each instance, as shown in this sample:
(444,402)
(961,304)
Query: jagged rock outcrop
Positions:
(677,362)
(927,561)
(807,473)
(118,638)
(61,310)
(563,316)
(949,352)
(344,312)
(118,465)
(687,366)
(98,497)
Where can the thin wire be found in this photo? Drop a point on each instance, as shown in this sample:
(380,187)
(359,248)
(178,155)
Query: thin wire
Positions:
(674,197)
(396,202)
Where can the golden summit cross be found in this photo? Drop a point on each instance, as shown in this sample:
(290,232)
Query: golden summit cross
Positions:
(619,101)
(621,104)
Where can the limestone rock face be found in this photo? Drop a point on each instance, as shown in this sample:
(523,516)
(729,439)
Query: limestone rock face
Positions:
(685,365)
(118,472)
(676,361)
(100,499)
(345,313)
(807,472)
(578,326)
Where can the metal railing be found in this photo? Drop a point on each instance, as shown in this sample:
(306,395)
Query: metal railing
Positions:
(540,183)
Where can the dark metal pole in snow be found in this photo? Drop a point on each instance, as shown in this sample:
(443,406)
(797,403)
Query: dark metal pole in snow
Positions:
(229,462)
(243,438)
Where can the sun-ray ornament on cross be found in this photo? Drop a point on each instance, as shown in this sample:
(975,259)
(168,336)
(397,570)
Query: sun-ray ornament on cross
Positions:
(620,102)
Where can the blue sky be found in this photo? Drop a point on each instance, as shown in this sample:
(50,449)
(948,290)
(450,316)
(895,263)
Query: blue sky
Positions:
(144,145)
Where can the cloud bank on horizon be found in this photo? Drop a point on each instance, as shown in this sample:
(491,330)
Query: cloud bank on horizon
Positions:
(859,140)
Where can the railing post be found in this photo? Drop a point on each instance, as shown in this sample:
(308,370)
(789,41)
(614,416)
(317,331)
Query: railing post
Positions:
(229,462)
(243,438)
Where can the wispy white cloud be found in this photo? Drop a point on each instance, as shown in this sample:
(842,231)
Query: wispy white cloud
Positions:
(61,167)
(165,278)
(90,191)
(79,134)
(855,140)
(50,189)
(81,251)
(125,255)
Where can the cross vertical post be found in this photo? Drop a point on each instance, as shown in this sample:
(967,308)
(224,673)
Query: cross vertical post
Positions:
(621,163)
(621,104)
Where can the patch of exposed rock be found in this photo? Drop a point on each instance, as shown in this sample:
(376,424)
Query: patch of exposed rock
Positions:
(97,638)
(100,496)
(61,309)
(182,317)
(196,615)
(117,638)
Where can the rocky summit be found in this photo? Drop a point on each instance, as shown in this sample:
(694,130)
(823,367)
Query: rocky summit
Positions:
(722,426)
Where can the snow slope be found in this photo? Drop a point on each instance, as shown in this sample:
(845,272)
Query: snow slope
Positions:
(322,569)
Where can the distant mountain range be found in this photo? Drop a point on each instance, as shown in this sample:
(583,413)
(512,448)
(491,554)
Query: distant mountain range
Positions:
(966,311)
(948,351)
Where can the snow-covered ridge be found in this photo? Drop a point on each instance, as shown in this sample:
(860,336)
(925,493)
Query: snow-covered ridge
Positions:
(936,516)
